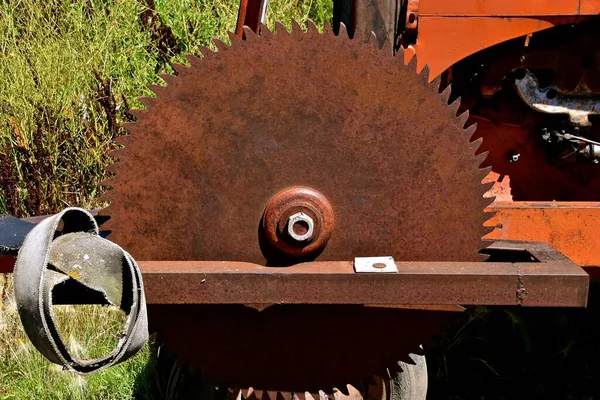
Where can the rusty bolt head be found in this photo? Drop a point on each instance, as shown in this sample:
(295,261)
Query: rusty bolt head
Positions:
(305,223)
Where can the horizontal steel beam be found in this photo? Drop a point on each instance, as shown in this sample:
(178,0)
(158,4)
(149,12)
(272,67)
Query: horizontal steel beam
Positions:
(550,281)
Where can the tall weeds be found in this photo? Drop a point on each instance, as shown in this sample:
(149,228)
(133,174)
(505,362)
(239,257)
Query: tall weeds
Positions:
(70,71)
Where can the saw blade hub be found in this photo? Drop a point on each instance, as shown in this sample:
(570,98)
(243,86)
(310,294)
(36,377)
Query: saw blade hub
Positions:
(298,222)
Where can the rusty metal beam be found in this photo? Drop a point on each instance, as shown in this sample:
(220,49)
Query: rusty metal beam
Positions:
(555,281)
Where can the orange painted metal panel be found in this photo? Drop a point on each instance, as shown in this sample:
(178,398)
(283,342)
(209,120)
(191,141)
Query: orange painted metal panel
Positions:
(444,41)
(590,7)
(508,8)
(573,228)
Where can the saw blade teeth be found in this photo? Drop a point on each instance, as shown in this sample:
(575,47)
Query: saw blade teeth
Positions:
(488,186)
(105,198)
(157,89)
(125,140)
(280,28)
(179,69)
(247,392)
(426,75)
(470,131)
(194,61)
(327,28)
(386,47)
(264,30)
(146,101)
(108,182)
(219,44)
(128,126)
(343,32)
(114,155)
(486,231)
(311,27)
(249,34)
(358,35)
(481,159)
(137,114)
(454,106)
(234,39)
(371,40)
(437,83)
(117,154)
(400,53)
(409,54)
(485,171)
(490,223)
(300,395)
(284,395)
(233,393)
(462,118)
(168,78)
(112,168)
(272,395)
(131,128)
(205,51)
(412,64)
(296,28)
(414,358)
(445,94)
(476,144)
(347,389)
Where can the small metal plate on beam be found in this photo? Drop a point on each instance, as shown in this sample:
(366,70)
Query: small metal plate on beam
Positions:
(375,264)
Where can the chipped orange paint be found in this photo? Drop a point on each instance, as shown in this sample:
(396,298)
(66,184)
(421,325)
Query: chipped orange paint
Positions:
(573,228)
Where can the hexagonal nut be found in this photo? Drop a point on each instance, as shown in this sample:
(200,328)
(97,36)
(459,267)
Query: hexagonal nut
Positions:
(300,217)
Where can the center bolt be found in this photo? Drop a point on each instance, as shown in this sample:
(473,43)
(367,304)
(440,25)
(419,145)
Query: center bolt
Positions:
(300,227)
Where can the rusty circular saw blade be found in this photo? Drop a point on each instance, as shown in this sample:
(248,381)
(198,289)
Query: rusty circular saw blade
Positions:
(295,348)
(298,109)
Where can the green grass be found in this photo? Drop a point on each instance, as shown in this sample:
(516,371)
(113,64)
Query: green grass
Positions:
(71,71)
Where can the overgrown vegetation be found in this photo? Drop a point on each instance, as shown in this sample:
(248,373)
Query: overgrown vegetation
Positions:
(71,71)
